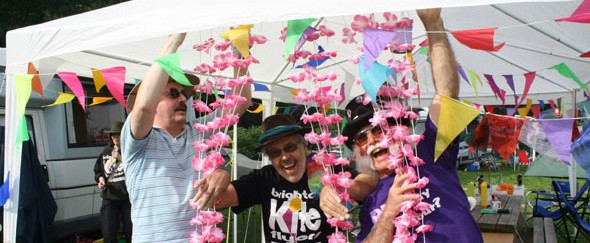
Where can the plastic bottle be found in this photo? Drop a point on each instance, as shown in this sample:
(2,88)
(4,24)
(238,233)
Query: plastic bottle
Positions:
(470,189)
(483,194)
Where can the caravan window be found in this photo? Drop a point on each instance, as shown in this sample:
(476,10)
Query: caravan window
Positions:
(87,128)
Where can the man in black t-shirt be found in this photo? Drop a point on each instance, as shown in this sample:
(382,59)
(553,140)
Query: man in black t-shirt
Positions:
(290,211)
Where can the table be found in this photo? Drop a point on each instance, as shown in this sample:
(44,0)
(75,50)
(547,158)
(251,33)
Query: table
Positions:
(502,227)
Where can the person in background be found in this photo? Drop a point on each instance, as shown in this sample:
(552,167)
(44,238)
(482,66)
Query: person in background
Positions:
(110,176)
(290,209)
(449,214)
(158,151)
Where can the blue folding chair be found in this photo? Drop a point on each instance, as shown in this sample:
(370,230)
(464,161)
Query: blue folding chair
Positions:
(573,210)
(545,203)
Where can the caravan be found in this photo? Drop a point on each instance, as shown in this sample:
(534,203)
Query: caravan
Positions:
(68,141)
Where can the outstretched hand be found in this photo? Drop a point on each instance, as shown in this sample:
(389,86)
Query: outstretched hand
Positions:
(210,188)
(399,193)
(331,205)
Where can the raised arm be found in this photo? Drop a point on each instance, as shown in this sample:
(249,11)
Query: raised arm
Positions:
(444,66)
(150,91)
(216,190)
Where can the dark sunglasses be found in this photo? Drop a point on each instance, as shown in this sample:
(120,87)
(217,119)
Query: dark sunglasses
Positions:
(362,136)
(174,93)
(276,152)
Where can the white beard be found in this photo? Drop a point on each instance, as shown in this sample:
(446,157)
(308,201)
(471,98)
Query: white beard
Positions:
(364,164)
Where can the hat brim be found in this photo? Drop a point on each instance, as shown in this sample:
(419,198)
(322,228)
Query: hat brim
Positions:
(352,127)
(301,131)
(111,132)
(194,80)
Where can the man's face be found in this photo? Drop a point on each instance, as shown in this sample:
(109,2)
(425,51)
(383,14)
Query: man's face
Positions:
(287,155)
(116,138)
(172,105)
(366,144)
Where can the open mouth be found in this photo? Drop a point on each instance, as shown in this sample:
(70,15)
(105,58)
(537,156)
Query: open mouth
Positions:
(287,166)
(379,152)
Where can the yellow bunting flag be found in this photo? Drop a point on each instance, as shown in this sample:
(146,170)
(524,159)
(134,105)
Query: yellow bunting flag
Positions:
(258,109)
(240,38)
(524,111)
(23,88)
(100,100)
(98,79)
(454,117)
(474,77)
(61,99)
(276,110)
(36,84)
(294,92)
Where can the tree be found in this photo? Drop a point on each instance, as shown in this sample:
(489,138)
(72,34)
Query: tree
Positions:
(16,14)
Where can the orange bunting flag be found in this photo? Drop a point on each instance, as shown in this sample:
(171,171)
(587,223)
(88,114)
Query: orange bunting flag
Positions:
(62,99)
(240,38)
(480,39)
(98,79)
(100,100)
(294,92)
(454,117)
(498,132)
(37,86)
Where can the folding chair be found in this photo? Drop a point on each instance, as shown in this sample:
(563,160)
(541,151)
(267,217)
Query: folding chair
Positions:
(573,210)
(544,204)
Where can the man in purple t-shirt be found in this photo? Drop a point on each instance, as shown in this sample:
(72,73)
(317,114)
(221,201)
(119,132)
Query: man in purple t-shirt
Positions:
(449,213)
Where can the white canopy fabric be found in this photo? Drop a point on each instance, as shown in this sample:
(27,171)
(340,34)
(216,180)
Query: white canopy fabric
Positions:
(130,34)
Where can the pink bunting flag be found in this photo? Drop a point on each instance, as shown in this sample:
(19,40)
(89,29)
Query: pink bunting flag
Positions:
(560,133)
(580,15)
(497,91)
(342,94)
(72,81)
(529,78)
(115,80)
(480,39)
(552,104)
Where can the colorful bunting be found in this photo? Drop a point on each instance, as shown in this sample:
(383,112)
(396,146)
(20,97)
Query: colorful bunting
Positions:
(171,65)
(23,87)
(536,111)
(375,41)
(372,79)
(295,29)
(498,132)
(533,136)
(480,39)
(308,32)
(260,87)
(47,68)
(510,111)
(5,190)
(257,110)
(240,38)
(474,77)
(22,132)
(36,82)
(580,150)
(497,91)
(62,98)
(72,81)
(565,71)
(510,82)
(490,109)
(115,81)
(580,15)
(560,136)
(524,111)
(454,117)
(98,79)
(585,54)
(529,78)
(462,73)
(100,100)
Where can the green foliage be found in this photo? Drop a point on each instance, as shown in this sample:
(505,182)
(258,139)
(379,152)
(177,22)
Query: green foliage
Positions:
(247,140)
(17,14)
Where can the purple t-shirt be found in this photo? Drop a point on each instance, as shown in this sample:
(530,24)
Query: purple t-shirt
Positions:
(449,215)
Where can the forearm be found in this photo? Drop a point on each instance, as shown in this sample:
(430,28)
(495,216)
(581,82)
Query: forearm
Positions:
(383,229)
(444,65)
(150,91)
(361,187)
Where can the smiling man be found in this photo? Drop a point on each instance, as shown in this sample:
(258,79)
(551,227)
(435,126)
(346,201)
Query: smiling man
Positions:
(290,210)
(158,152)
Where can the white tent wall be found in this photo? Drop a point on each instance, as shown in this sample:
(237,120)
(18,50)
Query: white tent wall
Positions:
(130,34)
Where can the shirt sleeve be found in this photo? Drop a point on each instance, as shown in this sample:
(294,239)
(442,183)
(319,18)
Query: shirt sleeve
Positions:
(248,190)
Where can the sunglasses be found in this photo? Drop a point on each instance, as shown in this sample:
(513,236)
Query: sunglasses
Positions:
(362,136)
(276,152)
(175,93)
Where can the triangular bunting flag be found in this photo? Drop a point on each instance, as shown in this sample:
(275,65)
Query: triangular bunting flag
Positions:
(100,100)
(5,190)
(98,79)
(315,63)
(536,111)
(295,29)
(23,87)
(171,65)
(454,117)
(372,79)
(462,73)
(36,84)
(533,136)
(72,81)
(257,110)
(61,99)
(585,54)
(474,77)
(307,33)
(565,71)
(374,42)
(115,80)
(580,15)
(480,39)
(560,137)
(240,38)
(260,87)
(498,132)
